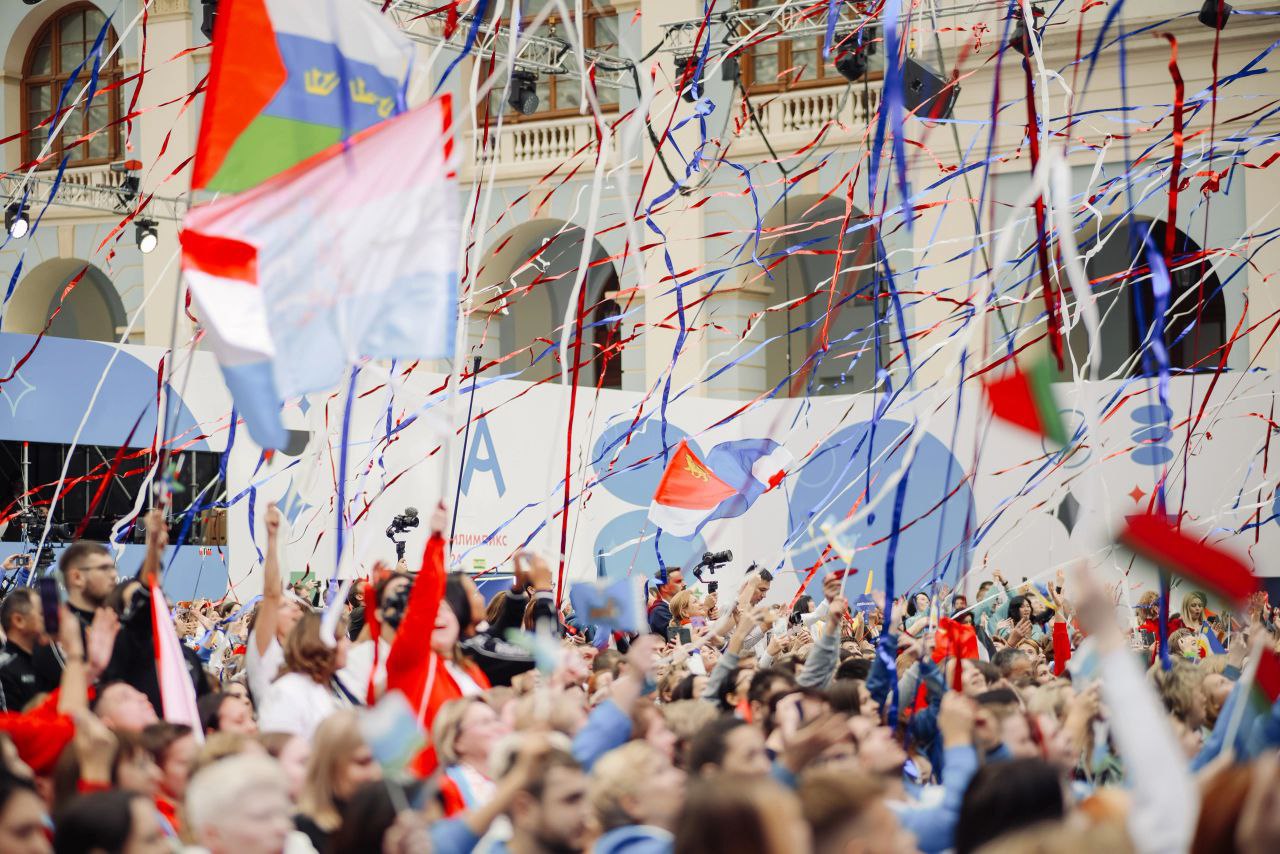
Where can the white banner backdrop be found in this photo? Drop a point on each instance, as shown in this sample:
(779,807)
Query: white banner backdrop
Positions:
(978,493)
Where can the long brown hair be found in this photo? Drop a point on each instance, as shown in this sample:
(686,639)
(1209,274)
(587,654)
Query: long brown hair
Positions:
(305,652)
(737,816)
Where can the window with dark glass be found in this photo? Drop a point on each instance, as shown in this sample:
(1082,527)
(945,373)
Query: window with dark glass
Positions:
(60,46)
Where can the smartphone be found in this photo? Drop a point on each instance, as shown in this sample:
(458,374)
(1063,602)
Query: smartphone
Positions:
(22,560)
(686,636)
(50,601)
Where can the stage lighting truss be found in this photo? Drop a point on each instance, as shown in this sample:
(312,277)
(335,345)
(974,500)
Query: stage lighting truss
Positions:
(107,199)
(422,23)
(794,20)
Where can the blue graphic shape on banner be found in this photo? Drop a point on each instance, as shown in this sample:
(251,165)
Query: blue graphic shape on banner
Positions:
(47,398)
(937,502)
(482,457)
(1152,436)
(626,543)
(634,485)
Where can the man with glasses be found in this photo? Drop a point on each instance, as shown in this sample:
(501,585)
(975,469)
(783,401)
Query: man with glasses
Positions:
(89,575)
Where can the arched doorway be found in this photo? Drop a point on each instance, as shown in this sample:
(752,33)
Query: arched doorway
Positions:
(825,343)
(91,310)
(525,288)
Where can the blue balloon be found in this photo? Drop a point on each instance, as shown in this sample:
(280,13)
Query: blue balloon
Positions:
(634,485)
(937,504)
(618,553)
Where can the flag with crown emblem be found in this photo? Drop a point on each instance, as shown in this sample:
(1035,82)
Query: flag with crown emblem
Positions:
(288,79)
(692,492)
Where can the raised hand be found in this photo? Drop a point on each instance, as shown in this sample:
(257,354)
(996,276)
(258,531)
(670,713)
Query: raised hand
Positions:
(831,586)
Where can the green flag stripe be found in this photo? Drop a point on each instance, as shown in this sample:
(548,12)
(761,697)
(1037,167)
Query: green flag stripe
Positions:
(268,147)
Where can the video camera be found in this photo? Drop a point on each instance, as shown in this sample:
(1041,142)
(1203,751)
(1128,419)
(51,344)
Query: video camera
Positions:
(399,526)
(711,561)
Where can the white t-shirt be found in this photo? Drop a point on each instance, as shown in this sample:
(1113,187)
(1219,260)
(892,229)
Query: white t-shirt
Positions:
(468,686)
(262,668)
(296,704)
(359,662)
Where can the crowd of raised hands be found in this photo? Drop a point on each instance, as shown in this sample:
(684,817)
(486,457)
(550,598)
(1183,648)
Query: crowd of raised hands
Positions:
(409,714)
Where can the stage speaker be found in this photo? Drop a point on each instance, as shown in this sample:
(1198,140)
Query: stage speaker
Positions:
(922,91)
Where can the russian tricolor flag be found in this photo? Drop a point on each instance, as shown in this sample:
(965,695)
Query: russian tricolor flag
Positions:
(693,493)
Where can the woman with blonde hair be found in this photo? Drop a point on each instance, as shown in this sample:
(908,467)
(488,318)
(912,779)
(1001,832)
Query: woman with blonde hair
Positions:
(465,732)
(637,795)
(308,690)
(340,763)
(685,605)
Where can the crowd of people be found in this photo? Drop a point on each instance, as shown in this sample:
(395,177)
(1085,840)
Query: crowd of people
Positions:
(1019,718)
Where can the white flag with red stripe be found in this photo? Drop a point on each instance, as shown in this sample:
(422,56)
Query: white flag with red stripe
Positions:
(177,694)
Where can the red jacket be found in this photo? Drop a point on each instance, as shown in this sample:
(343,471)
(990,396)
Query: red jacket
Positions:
(413,667)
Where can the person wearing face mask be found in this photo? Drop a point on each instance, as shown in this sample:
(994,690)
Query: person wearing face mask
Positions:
(426,662)
(366,670)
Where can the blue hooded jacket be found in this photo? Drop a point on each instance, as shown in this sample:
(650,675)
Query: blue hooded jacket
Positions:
(635,839)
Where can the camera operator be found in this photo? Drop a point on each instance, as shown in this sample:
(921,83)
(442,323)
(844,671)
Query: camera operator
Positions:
(385,602)
(23,624)
(671,582)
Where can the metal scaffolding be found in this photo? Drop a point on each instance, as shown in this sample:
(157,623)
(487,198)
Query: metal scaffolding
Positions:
(542,54)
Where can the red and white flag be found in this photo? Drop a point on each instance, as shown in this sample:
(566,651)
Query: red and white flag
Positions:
(688,494)
(177,694)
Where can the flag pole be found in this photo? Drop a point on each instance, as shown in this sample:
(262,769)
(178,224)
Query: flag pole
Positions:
(466,443)
(159,487)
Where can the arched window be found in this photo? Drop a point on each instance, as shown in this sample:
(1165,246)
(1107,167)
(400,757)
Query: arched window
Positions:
(62,44)
(1196,322)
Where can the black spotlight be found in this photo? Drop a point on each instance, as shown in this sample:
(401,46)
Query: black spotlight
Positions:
(16,220)
(924,94)
(852,65)
(31,2)
(687,76)
(146,235)
(210,15)
(523,97)
(1215,14)
(1019,40)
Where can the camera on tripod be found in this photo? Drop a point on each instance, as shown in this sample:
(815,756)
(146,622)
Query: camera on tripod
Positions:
(399,526)
(711,561)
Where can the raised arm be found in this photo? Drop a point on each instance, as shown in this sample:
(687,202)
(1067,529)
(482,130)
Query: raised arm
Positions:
(157,540)
(412,645)
(264,628)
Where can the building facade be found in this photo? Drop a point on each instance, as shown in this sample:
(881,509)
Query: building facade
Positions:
(708,227)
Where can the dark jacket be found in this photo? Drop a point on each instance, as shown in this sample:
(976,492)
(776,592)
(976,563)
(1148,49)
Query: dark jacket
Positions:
(500,660)
(47,659)
(133,659)
(17,678)
(660,619)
